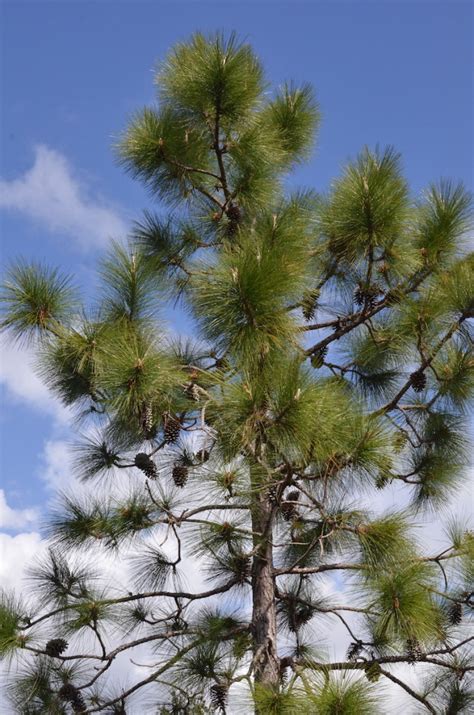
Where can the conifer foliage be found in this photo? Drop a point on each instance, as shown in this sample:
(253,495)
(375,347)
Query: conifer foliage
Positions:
(333,360)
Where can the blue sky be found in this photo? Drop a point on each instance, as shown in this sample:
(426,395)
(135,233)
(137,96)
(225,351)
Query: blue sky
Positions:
(72,72)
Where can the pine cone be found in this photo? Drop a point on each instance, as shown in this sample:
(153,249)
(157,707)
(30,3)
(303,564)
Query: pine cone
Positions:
(289,510)
(359,296)
(300,613)
(418,380)
(202,455)
(317,359)
(69,693)
(414,651)
(455,614)
(242,567)
(372,672)
(234,215)
(180,474)
(219,693)
(272,494)
(366,295)
(354,650)
(146,421)
(55,647)
(146,464)
(171,428)
(309,304)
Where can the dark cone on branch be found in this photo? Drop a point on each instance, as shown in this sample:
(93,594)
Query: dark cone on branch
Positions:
(171,428)
(180,475)
(455,614)
(288,509)
(69,693)
(366,295)
(309,304)
(146,421)
(218,695)
(234,216)
(414,651)
(272,494)
(242,567)
(146,464)
(55,647)
(418,380)
(372,672)
(299,614)
(354,650)
(202,456)
(317,359)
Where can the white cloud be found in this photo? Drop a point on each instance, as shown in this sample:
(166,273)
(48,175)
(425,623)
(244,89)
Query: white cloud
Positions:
(56,469)
(23,384)
(16,553)
(15,518)
(51,194)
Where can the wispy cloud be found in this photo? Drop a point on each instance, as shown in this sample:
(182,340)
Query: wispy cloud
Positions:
(51,194)
(15,518)
(23,385)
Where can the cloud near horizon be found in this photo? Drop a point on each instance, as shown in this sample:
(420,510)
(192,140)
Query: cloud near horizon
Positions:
(51,194)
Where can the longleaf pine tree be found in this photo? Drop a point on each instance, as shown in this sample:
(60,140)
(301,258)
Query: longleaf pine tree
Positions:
(330,363)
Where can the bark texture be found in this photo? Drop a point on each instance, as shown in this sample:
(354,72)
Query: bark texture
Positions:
(264,623)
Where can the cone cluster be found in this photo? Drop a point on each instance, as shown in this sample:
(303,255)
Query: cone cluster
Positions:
(354,650)
(69,693)
(288,509)
(418,380)
(55,647)
(366,295)
(219,693)
(180,475)
(455,614)
(146,419)
(310,304)
(414,650)
(171,428)
(317,359)
(372,672)
(144,462)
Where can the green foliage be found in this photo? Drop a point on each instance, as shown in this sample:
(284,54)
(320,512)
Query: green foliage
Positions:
(331,356)
(294,117)
(440,461)
(455,371)
(129,286)
(159,146)
(94,457)
(139,372)
(241,299)
(368,207)
(386,542)
(36,299)
(12,619)
(346,696)
(208,76)
(443,219)
(71,364)
(151,568)
(59,580)
(34,692)
(407,609)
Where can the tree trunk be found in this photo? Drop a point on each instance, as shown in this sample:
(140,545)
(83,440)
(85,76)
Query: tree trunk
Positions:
(264,627)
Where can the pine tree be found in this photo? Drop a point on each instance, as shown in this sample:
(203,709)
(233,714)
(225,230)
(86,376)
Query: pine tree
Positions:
(333,358)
